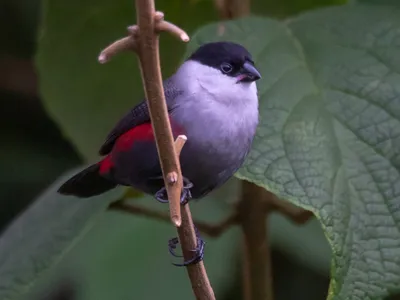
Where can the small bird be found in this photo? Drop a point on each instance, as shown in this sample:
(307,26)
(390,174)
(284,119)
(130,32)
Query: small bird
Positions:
(212,99)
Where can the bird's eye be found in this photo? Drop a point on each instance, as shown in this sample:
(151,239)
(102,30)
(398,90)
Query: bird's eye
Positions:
(226,68)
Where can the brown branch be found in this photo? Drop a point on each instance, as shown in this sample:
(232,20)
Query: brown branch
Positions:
(213,230)
(173,179)
(125,44)
(296,214)
(18,75)
(253,211)
(197,273)
(179,143)
(216,230)
(231,9)
(149,58)
(144,40)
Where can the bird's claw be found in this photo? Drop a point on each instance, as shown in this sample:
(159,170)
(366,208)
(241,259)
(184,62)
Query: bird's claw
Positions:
(198,252)
(186,195)
(162,196)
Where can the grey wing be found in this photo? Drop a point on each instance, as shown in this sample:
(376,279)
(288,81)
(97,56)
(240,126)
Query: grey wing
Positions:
(136,116)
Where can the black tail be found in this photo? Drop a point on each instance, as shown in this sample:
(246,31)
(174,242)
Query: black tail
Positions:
(87,183)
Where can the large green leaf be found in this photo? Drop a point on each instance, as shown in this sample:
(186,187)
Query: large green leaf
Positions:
(42,234)
(328,138)
(87,98)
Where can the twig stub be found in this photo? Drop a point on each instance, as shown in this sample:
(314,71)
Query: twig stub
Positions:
(129,43)
(173,29)
(125,44)
(179,143)
(175,177)
(133,30)
(172,177)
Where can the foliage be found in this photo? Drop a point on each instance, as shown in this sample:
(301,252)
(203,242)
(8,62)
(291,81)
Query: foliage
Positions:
(86,98)
(328,139)
(380,2)
(47,230)
(83,96)
(124,255)
(329,102)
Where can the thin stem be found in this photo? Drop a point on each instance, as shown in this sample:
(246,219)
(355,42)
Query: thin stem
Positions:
(212,230)
(296,214)
(151,76)
(197,273)
(144,40)
(149,57)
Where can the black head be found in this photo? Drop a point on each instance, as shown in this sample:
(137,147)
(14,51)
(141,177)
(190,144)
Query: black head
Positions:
(230,58)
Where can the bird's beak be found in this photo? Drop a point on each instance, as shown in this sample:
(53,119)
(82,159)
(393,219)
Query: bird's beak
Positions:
(249,73)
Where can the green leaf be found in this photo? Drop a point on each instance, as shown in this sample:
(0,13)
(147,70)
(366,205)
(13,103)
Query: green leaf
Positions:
(380,2)
(285,8)
(43,234)
(329,132)
(86,98)
(123,255)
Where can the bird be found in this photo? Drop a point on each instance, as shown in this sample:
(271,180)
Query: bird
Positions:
(212,99)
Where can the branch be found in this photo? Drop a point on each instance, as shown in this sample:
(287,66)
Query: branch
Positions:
(257,261)
(231,9)
(211,230)
(154,90)
(296,214)
(144,40)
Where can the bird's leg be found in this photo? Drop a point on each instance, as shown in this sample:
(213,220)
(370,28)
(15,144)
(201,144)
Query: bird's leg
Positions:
(198,252)
(186,195)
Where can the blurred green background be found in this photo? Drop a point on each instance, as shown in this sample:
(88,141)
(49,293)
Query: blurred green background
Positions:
(125,257)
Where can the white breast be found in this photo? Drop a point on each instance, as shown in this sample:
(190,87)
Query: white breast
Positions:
(215,106)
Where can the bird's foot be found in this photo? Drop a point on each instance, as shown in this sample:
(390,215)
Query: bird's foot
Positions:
(198,252)
(186,195)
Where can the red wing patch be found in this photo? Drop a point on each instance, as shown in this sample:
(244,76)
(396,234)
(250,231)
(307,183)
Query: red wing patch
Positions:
(143,132)
(106,165)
